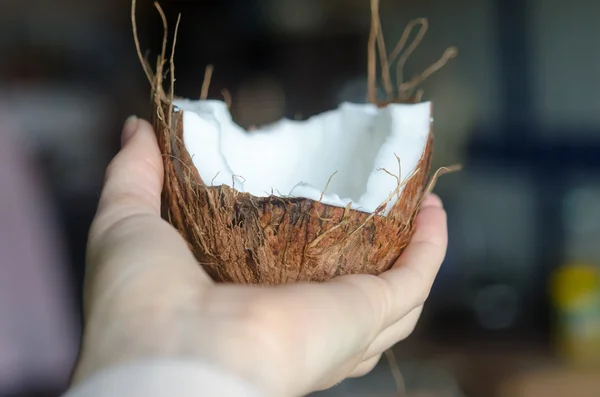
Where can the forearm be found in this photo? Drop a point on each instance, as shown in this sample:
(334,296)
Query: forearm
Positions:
(172,378)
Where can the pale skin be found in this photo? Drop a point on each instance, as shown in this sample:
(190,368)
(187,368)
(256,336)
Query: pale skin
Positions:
(146,297)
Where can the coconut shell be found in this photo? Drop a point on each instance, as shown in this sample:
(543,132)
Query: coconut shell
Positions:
(240,238)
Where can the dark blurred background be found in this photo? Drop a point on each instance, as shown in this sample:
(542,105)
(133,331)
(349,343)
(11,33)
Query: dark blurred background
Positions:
(518,108)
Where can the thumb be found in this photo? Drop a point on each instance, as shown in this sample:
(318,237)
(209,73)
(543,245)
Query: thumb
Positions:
(139,270)
(134,178)
(128,239)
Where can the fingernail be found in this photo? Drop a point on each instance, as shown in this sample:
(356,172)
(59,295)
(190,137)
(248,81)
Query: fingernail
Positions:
(129,129)
(433,200)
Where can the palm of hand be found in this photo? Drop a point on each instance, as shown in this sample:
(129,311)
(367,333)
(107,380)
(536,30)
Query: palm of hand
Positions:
(146,296)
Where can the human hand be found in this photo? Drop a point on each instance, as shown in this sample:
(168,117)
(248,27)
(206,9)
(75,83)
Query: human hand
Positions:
(146,297)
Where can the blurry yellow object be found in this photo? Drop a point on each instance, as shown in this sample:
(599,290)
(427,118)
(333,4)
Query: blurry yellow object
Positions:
(575,291)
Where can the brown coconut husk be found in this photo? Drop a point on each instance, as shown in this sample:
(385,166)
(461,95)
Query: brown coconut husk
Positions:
(240,238)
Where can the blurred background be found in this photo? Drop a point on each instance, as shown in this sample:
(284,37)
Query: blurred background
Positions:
(515,310)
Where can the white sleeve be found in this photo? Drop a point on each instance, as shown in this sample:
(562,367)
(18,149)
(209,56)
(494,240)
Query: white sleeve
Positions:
(163,379)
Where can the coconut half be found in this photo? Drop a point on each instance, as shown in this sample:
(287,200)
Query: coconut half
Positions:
(294,200)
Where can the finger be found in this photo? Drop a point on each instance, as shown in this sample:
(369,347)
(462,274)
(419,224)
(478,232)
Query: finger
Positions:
(388,298)
(410,280)
(395,333)
(365,367)
(355,309)
(128,239)
(134,178)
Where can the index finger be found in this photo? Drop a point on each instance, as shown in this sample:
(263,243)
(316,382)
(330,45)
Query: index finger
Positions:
(411,278)
(372,303)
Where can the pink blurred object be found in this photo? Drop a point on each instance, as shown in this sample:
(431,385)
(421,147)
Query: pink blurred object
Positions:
(38,328)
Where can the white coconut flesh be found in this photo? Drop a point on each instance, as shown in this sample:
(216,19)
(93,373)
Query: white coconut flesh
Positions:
(292,158)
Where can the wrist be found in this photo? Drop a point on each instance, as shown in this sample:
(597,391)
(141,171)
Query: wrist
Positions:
(112,343)
(161,377)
